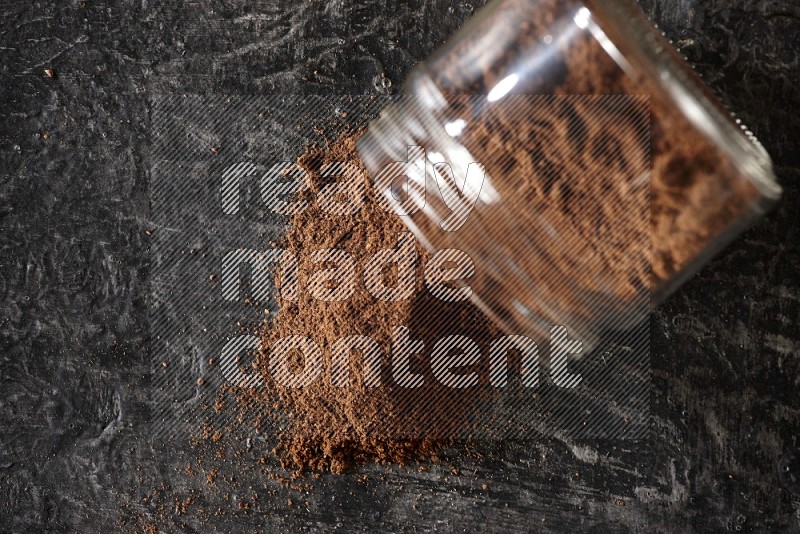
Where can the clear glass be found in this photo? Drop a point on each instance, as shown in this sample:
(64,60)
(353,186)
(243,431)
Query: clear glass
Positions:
(610,173)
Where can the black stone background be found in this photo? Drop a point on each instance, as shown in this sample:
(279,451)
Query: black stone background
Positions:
(74,225)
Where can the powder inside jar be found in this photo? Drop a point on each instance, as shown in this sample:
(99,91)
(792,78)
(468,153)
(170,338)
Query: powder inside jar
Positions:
(608,194)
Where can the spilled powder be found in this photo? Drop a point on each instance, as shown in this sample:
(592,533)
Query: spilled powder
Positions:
(333,427)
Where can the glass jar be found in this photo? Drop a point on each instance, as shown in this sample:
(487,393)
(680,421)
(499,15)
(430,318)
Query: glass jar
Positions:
(574,156)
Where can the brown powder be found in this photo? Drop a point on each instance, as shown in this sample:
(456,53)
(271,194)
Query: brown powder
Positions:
(332,426)
(695,190)
(575,206)
(542,156)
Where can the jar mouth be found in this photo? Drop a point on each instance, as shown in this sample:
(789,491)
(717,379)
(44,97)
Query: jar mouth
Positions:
(393,138)
(655,56)
(403,123)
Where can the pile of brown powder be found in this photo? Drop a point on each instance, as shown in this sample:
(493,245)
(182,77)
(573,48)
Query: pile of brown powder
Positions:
(333,426)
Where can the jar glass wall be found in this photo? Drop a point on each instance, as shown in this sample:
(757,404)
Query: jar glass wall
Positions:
(574,156)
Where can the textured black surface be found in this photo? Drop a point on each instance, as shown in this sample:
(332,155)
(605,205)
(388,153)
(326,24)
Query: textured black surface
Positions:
(74,225)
